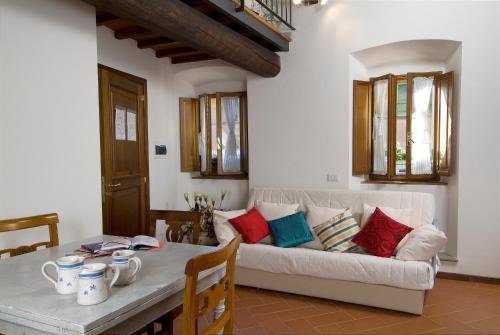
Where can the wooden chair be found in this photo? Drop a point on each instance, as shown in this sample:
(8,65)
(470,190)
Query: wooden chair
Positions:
(210,298)
(50,220)
(197,305)
(176,220)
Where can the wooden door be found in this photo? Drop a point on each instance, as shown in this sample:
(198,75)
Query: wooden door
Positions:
(124,155)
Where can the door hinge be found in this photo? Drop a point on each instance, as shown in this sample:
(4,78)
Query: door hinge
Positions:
(141,97)
(145,180)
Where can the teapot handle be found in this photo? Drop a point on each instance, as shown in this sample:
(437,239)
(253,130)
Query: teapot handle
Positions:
(115,277)
(46,275)
(138,265)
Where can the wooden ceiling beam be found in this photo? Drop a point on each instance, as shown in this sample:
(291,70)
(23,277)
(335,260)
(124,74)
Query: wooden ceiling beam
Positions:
(153,42)
(129,32)
(193,57)
(180,22)
(174,51)
(102,19)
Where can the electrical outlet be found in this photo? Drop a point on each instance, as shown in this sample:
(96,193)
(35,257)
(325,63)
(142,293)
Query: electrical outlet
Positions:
(332,178)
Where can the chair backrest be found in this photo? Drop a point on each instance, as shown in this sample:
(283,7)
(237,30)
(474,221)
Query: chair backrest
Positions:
(50,220)
(198,304)
(176,220)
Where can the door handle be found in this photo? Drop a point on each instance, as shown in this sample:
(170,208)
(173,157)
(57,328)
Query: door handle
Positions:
(409,140)
(114,185)
(103,191)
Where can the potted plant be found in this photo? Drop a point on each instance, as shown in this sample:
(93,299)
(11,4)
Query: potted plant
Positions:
(204,205)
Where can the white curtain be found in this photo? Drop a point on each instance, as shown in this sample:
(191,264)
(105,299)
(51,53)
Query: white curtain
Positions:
(232,111)
(422,126)
(202,135)
(380,125)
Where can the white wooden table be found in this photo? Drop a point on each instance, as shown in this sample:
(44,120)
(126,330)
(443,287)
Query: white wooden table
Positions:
(29,303)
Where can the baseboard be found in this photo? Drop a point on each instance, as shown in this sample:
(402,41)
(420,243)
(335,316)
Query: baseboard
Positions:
(462,277)
(446,257)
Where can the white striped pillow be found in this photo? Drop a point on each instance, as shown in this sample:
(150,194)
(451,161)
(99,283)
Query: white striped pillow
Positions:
(336,233)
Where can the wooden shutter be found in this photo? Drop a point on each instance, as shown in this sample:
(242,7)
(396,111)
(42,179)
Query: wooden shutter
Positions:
(189,127)
(361,148)
(244,132)
(444,123)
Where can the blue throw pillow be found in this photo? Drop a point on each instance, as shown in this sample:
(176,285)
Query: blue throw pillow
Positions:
(290,231)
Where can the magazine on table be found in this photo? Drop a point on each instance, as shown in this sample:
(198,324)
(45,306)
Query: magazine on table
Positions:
(136,242)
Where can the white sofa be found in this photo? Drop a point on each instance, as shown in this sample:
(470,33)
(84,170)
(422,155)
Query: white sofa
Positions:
(356,278)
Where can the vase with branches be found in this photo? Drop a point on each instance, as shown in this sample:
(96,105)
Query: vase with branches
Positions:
(201,202)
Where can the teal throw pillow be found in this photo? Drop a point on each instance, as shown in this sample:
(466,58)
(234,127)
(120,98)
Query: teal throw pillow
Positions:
(290,231)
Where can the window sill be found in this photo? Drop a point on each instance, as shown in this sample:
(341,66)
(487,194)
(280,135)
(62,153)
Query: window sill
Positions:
(405,182)
(227,177)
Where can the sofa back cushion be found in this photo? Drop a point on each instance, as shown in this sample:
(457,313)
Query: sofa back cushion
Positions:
(224,231)
(420,204)
(272,211)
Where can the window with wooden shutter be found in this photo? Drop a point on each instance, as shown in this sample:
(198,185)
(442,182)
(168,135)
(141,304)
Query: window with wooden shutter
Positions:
(402,126)
(214,139)
(361,153)
(189,126)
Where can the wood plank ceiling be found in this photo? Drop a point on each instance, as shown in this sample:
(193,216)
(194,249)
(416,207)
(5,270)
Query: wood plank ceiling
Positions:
(165,46)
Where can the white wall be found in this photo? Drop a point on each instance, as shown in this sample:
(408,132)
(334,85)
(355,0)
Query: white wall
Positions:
(415,56)
(49,120)
(210,77)
(163,110)
(166,83)
(299,121)
(221,86)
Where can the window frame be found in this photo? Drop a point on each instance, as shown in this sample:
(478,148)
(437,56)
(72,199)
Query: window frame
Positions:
(218,171)
(392,121)
(434,176)
(393,131)
(390,92)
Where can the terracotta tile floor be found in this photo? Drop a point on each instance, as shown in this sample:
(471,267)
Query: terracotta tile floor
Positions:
(452,307)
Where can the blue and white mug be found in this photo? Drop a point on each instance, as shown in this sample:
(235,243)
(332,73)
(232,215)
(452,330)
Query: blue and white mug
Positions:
(67,269)
(128,264)
(93,288)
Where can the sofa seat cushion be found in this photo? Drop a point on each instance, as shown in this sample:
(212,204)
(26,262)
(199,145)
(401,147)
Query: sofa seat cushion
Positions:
(415,275)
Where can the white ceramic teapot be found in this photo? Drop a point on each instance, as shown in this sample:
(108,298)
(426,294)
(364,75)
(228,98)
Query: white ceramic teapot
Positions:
(92,285)
(67,269)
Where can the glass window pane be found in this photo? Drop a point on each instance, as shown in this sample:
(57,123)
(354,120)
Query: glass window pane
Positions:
(230,117)
(380,125)
(202,142)
(213,130)
(401,87)
(422,125)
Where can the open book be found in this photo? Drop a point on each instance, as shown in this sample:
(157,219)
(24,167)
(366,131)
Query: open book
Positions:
(137,242)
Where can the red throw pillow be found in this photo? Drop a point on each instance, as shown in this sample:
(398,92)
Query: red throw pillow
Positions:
(252,226)
(381,234)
